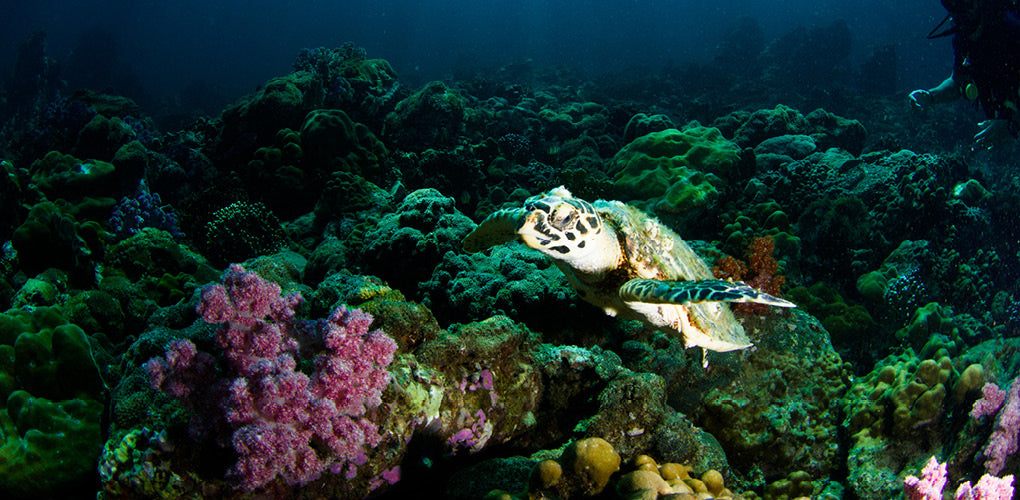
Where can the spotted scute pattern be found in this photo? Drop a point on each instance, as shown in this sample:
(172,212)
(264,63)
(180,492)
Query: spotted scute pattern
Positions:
(692,292)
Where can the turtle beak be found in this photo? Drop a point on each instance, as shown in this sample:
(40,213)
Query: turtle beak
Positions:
(530,234)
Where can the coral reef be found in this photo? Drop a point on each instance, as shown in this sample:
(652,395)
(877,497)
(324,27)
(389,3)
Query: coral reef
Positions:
(414,368)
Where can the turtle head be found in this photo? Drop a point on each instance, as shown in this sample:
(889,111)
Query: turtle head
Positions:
(570,230)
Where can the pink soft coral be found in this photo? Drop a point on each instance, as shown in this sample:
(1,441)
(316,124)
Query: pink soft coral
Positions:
(283,423)
(931,483)
(933,480)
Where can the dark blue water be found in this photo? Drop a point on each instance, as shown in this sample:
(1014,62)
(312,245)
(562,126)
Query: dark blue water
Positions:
(154,49)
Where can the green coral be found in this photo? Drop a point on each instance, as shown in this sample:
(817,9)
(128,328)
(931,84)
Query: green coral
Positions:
(101,137)
(332,141)
(53,358)
(10,198)
(60,175)
(49,448)
(893,415)
(98,311)
(431,117)
(50,427)
(935,321)
(346,195)
(846,323)
(281,103)
(147,270)
(643,124)
(573,118)
(39,291)
(276,170)
(154,252)
(676,171)
(511,280)
(242,230)
(897,288)
(761,219)
(403,247)
(51,237)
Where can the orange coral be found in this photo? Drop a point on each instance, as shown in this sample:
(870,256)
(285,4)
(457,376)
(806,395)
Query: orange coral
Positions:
(761,272)
(728,267)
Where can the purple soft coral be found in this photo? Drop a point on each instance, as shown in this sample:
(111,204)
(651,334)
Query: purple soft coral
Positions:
(991,400)
(931,483)
(284,423)
(933,480)
(1005,438)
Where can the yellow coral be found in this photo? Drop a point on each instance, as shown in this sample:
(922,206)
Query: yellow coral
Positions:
(971,380)
(591,461)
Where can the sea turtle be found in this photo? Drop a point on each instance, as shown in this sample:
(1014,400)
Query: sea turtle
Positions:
(627,263)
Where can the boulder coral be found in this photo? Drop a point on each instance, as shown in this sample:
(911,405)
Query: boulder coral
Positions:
(431,117)
(675,171)
(52,386)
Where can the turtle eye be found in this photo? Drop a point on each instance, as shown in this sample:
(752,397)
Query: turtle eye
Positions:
(562,217)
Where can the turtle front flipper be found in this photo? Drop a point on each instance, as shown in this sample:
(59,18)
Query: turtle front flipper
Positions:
(693,292)
(498,228)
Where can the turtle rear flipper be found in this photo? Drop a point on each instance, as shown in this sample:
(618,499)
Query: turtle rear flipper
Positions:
(693,292)
(498,228)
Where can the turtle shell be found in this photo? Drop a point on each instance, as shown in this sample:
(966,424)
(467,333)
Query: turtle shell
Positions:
(653,251)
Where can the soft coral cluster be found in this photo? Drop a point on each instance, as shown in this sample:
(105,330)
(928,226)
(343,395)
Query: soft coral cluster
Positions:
(934,478)
(761,272)
(283,422)
(1005,438)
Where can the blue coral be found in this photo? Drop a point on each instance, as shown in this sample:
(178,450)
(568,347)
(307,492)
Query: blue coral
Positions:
(145,209)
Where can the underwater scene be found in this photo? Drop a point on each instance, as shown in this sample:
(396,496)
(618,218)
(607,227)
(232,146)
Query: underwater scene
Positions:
(510,250)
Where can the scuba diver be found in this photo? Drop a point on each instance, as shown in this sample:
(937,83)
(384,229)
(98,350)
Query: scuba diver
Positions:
(986,66)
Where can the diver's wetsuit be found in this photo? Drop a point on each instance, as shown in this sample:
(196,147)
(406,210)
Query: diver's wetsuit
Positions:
(989,57)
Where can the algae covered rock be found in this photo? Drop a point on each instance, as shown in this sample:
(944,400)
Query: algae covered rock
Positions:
(784,401)
(826,129)
(431,117)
